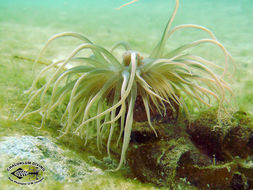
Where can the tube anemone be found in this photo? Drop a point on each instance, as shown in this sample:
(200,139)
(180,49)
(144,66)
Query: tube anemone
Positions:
(112,87)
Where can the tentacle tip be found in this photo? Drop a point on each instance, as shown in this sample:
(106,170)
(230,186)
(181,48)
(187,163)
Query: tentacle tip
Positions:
(113,170)
(61,136)
(36,127)
(40,127)
(28,91)
(18,118)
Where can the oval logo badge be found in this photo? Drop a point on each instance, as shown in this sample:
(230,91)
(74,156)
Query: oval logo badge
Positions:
(25,173)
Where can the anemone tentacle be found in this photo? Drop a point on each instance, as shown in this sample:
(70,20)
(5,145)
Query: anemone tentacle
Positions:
(162,81)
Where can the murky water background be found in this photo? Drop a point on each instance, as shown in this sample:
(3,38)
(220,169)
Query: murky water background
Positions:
(25,25)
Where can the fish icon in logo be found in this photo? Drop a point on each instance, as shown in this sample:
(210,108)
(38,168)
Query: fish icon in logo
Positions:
(26,173)
(20,173)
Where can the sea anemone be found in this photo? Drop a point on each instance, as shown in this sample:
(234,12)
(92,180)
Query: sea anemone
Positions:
(110,87)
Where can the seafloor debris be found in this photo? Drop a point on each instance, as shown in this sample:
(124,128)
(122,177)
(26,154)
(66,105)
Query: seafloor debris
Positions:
(204,154)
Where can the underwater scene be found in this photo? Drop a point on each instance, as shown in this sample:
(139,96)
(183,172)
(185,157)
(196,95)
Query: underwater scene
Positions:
(121,94)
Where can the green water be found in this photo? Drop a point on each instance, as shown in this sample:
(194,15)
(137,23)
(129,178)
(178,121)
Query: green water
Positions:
(25,25)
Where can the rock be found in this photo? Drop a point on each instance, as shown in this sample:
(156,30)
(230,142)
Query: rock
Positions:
(233,138)
(211,156)
(207,137)
(59,164)
(215,177)
(239,182)
(157,162)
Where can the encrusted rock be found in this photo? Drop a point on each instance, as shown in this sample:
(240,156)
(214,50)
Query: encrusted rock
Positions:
(238,182)
(157,162)
(225,142)
(213,156)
